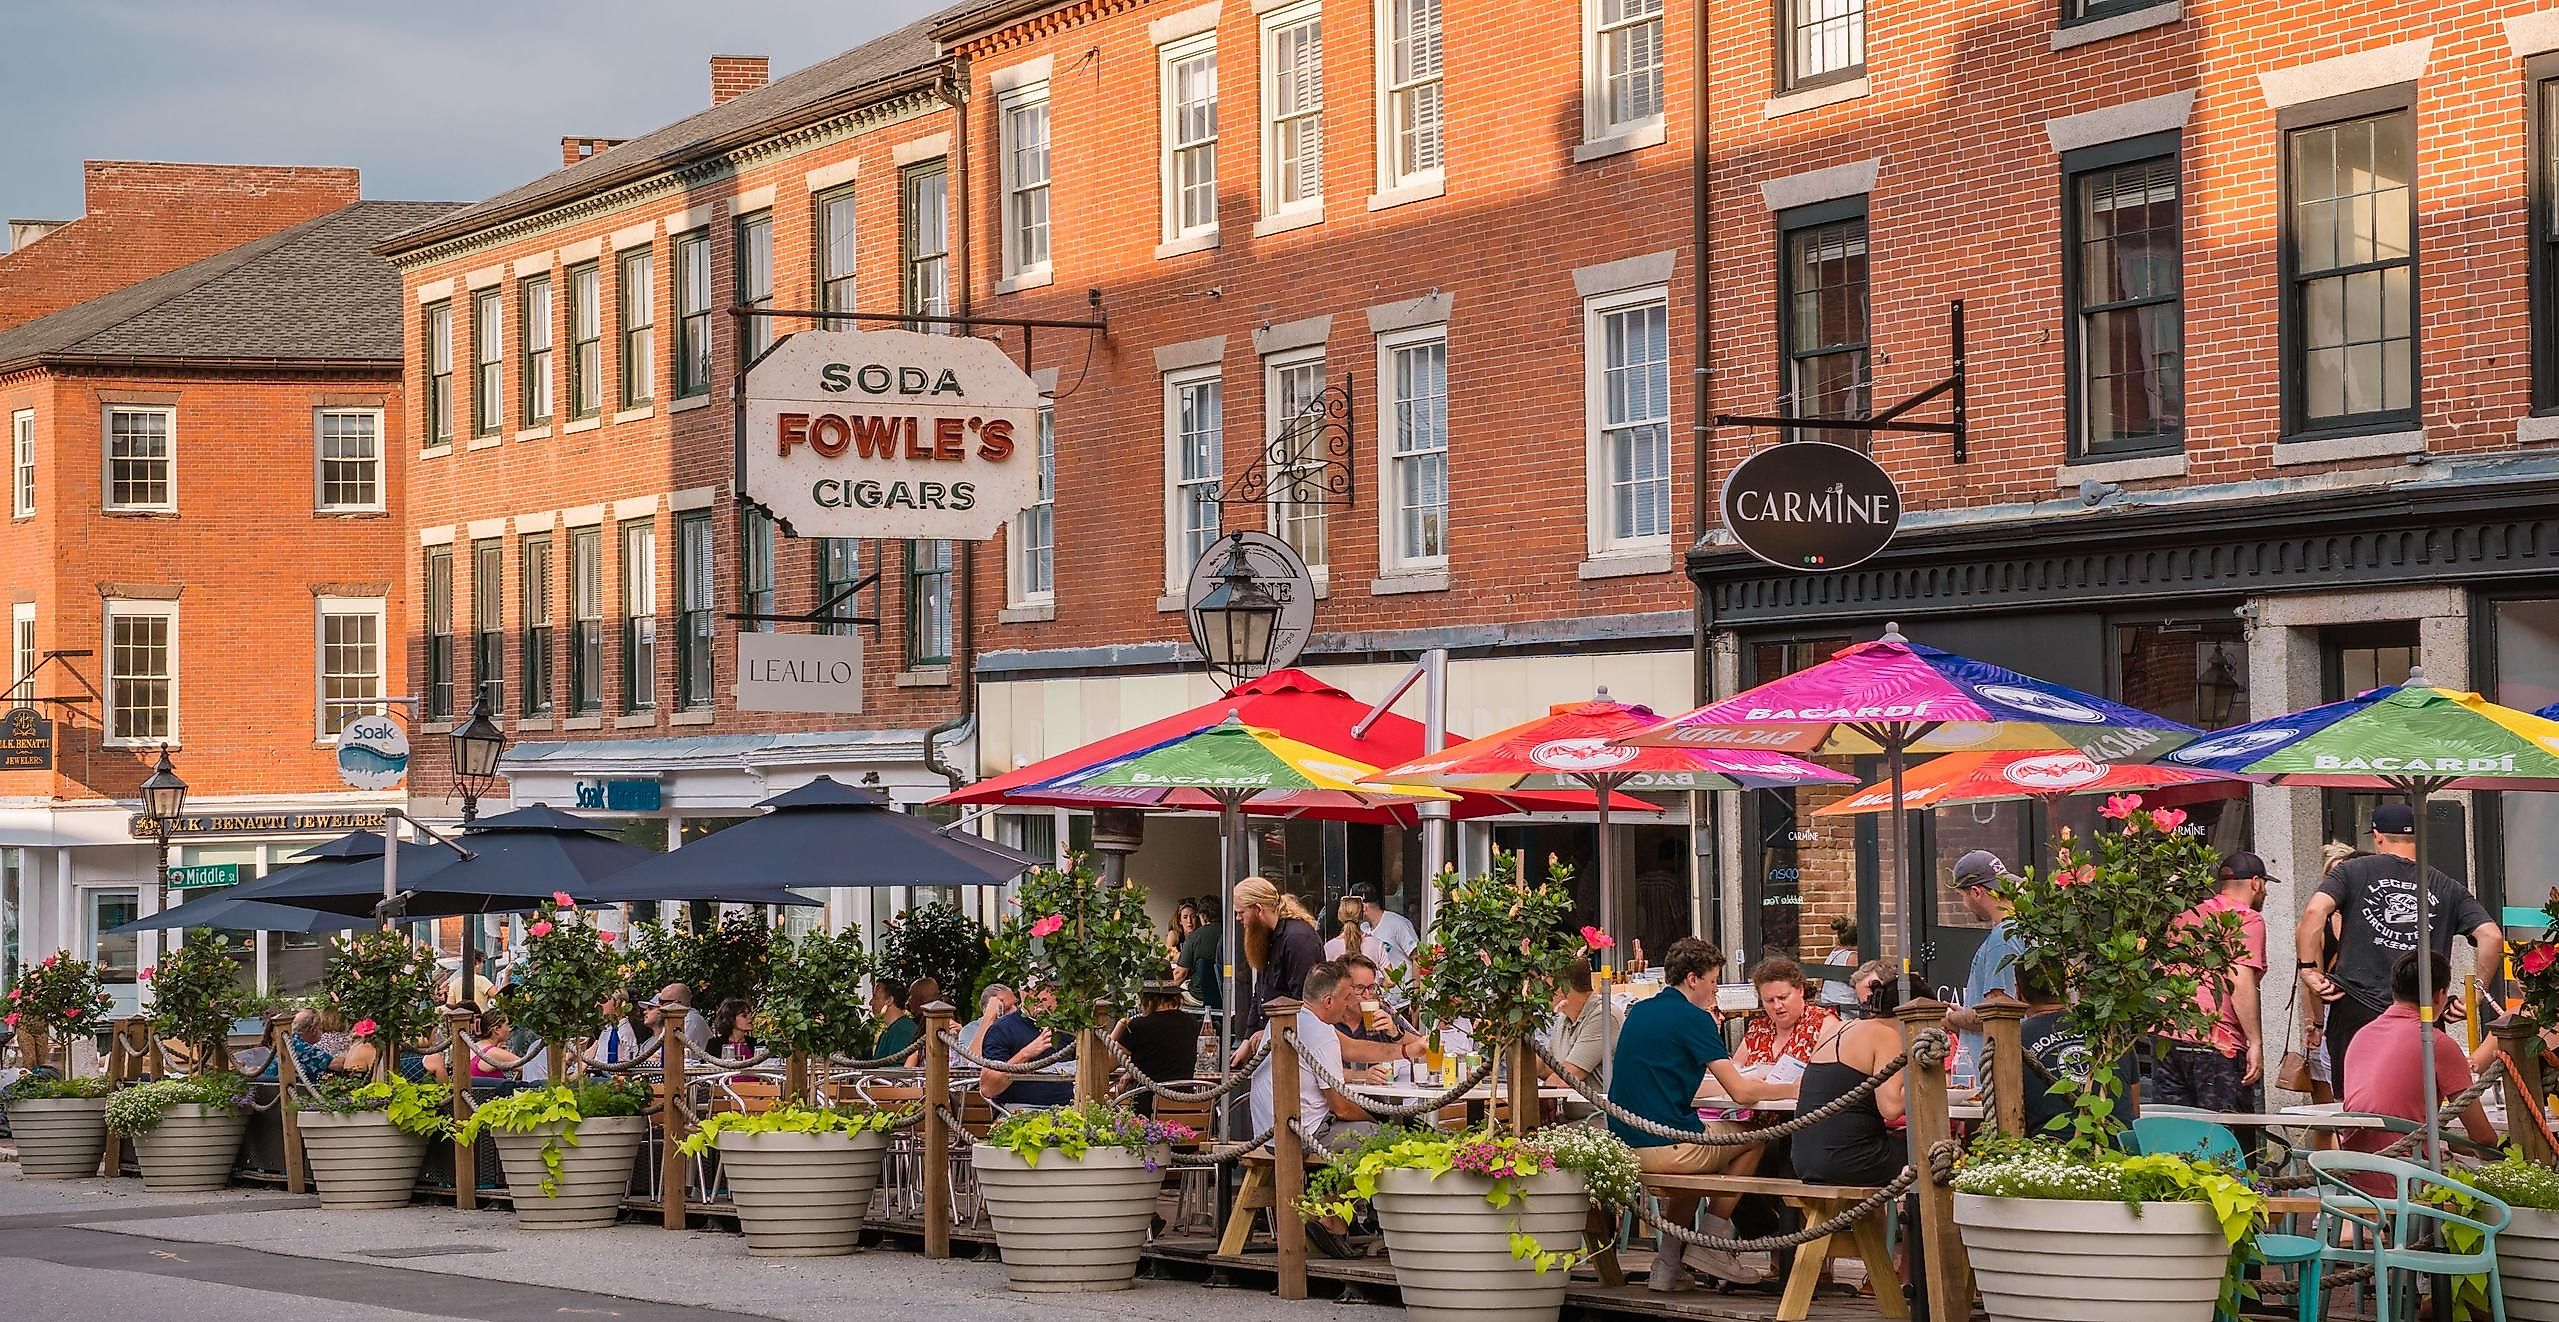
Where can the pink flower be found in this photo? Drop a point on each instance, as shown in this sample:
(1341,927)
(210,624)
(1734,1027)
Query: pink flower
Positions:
(149,973)
(561,898)
(605,937)
(2078,876)
(14,993)
(2167,819)
(2120,806)
(542,928)
(365,1028)
(1597,939)
(1049,926)
(50,960)
(12,1020)
(71,1013)
(2538,960)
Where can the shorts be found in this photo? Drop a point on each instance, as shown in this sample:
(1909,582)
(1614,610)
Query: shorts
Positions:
(1688,1158)
(1338,1134)
(2189,1074)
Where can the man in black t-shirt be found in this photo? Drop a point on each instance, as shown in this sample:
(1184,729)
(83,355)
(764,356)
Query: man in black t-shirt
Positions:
(1164,1040)
(2376,898)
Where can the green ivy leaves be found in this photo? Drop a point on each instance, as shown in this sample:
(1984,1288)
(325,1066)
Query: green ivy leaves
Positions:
(529,1109)
(789,1118)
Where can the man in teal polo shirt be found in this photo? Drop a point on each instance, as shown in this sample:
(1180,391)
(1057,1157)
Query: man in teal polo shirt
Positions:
(1670,1042)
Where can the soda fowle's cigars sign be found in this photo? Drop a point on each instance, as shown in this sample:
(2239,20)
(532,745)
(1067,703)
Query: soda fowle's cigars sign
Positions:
(891,433)
(1811,505)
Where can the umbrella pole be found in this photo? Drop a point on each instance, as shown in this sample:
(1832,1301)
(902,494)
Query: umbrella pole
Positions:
(1601,785)
(1903,877)
(2426,1029)
(1230,860)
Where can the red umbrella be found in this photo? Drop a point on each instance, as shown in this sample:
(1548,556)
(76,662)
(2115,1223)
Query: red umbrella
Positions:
(1996,777)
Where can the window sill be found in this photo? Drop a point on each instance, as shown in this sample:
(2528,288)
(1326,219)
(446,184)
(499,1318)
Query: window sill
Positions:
(1038,277)
(1029,612)
(635,720)
(582,424)
(1186,245)
(436,451)
(1634,137)
(641,413)
(925,677)
(488,442)
(1289,220)
(2143,468)
(116,512)
(689,403)
(1409,580)
(350,515)
(702,717)
(1628,563)
(2088,31)
(170,744)
(2375,445)
(1418,190)
(1814,98)
(531,725)
(1171,603)
(583,723)
(541,433)
(2535,428)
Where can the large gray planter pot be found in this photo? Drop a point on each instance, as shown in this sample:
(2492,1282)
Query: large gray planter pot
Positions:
(61,1138)
(192,1148)
(2058,1260)
(2527,1259)
(801,1195)
(361,1160)
(1068,1225)
(1451,1250)
(595,1173)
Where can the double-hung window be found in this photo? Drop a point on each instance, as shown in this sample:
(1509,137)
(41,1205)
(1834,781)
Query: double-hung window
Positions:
(142,458)
(639,326)
(1415,422)
(694,587)
(438,335)
(23,657)
(924,242)
(1293,411)
(2123,274)
(1820,41)
(1024,117)
(439,632)
(1821,291)
(839,567)
(537,350)
(142,672)
(836,236)
(1034,534)
(538,587)
(1413,130)
(693,313)
(586,621)
(1189,94)
(586,341)
(488,361)
(1627,346)
(2350,272)
(350,661)
(1293,110)
(350,456)
(488,623)
(640,616)
(1624,77)
(22,463)
(755,566)
(2541,139)
(1194,469)
(928,604)
(755,277)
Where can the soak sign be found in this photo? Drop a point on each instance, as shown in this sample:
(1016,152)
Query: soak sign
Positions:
(891,433)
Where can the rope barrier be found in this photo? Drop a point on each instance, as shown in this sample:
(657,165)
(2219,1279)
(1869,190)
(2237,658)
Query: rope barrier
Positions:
(1847,1218)
(1381,1110)
(1757,1134)
(694,1053)
(1185,1090)
(2400,1147)
(875,1063)
(1224,1153)
(1018,1067)
(644,1054)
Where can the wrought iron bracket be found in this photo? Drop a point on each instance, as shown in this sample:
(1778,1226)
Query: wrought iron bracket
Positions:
(1308,461)
(1889,420)
(824,616)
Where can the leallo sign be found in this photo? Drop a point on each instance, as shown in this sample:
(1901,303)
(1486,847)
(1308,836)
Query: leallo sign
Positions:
(1811,505)
(891,434)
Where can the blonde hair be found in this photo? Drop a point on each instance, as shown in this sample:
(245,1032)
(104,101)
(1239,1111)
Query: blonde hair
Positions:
(1259,890)
(2333,853)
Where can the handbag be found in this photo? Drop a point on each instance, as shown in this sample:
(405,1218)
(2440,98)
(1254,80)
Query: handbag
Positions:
(2293,1075)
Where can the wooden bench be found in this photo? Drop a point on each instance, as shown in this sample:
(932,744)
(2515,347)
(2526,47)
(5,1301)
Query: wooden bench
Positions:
(1818,1202)
(1258,1193)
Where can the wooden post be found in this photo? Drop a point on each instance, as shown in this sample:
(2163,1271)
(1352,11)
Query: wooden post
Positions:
(671,1128)
(2001,1019)
(288,1070)
(117,1067)
(1092,1068)
(795,1079)
(457,1076)
(2525,1087)
(1288,1151)
(1950,1284)
(937,1131)
(1519,1063)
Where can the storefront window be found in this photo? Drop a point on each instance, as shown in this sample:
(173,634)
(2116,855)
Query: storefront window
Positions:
(13,899)
(1798,870)
(2191,672)
(2354,661)
(1650,861)
(2526,656)
(118,957)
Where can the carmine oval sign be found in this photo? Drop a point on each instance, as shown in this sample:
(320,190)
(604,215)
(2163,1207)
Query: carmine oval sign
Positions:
(1811,506)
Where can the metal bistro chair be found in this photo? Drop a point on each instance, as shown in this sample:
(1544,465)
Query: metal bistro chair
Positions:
(2394,1224)
(2186,1136)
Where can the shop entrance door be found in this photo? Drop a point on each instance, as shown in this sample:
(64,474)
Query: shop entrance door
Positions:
(118,958)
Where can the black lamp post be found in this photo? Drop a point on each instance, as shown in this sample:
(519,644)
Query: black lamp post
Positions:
(476,745)
(1236,619)
(2217,690)
(164,796)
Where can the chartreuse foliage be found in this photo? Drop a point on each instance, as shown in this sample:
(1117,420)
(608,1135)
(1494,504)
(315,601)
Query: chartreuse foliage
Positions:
(423,1109)
(789,1118)
(560,1104)
(1073,1131)
(1607,1167)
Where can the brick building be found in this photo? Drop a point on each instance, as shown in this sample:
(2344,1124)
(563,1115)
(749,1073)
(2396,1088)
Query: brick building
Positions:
(202,531)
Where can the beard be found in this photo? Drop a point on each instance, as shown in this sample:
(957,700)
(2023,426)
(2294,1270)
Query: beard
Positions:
(1257,944)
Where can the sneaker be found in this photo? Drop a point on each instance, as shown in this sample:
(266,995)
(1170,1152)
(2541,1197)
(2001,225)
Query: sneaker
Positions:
(1723,1266)
(1668,1275)
(1328,1243)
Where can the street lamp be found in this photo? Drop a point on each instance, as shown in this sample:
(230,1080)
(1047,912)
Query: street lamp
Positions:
(2217,690)
(164,796)
(476,745)
(1236,619)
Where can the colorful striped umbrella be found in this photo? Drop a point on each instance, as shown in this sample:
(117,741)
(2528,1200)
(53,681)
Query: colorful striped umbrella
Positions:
(2001,777)
(1232,758)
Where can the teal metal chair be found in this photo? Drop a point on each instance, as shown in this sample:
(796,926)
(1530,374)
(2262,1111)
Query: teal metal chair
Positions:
(2391,1223)
(2187,1136)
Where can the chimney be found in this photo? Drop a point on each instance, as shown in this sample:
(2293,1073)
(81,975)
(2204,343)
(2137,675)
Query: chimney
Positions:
(733,76)
(574,150)
(24,232)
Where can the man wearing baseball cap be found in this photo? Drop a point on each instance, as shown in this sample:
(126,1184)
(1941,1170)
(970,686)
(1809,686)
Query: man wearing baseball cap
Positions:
(2376,897)
(1978,876)
(2220,1070)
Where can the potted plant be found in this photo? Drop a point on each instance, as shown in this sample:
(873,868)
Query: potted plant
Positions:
(183,1139)
(1071,1191)
(567,1150)
(2109,921)
(366,1140)
(937,941)
(2527,1249)
(802,1176)
(60,1124)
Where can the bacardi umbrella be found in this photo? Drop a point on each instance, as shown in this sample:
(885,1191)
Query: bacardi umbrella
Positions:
(1895,697)
(2001,777)
(2416,739)
(821,834)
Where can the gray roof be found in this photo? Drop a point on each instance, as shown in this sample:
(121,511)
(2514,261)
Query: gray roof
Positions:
(774,106)
(314,292)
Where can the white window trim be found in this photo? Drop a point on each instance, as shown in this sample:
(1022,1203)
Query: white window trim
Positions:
(22,463)
(120,608)
(381,471)
(1177,571)
(1600,135)
(1014,558)
(22,613)
(1017,273)
(321,609)
(1304,210)
(1391,563)
(1177,237)
(1394,187)
(1272,366)
(1595,310)
(106,458)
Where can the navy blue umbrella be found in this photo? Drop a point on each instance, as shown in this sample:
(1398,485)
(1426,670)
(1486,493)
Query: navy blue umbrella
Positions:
(233,914)
(518,860)
(821,834)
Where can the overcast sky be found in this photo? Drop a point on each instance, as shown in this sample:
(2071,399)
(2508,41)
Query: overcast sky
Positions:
(448,100)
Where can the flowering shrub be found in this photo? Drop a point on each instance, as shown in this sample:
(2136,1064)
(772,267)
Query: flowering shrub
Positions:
(1606,1163)
(2537,968)
(1076,1130)
(813,995)
(139,1110)
(1998,1166)
(1090,942)
(936,941)
(724,961)
(2519,1183)
(196,995)
(1498,945)
(58,995)
(386,983)
(569,968)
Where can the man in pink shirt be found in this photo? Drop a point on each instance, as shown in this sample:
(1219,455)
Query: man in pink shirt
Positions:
(2383,1074)
(2222,1071)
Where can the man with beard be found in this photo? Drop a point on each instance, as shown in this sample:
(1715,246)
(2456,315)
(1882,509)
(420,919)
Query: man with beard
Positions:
(1280,945)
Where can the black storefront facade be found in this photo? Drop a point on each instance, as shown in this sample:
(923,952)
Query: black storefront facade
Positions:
(2214,606)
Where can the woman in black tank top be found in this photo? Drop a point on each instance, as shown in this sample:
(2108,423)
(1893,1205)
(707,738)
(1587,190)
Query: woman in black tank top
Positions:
(1858,1145)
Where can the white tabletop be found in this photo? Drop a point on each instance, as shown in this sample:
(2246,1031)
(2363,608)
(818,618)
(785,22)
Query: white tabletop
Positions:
(1414,1092)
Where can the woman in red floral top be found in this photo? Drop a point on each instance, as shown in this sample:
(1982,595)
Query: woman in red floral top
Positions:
(1788,1023)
